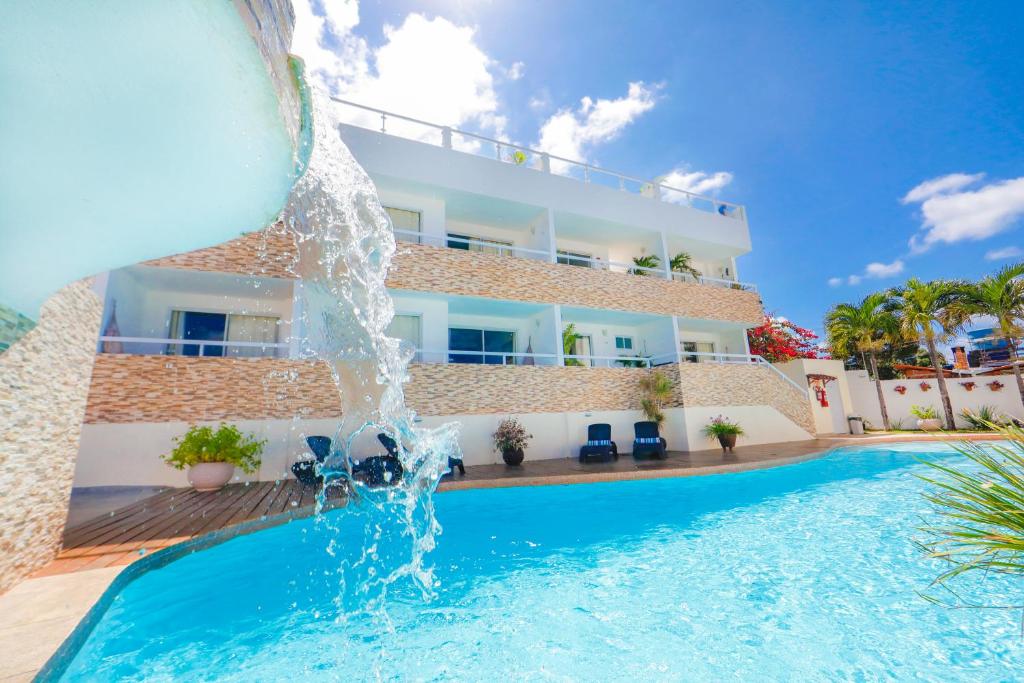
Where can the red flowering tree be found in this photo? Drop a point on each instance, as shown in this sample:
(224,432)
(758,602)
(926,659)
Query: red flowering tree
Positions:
(778,340)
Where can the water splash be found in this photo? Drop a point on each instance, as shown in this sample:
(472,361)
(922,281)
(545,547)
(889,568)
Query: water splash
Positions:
(345,246)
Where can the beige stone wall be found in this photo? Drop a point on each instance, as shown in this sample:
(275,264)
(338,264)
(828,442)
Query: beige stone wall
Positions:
(454,271)
(736,384)
(128,389)
(44,381)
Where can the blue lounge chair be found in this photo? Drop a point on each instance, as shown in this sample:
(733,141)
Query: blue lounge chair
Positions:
(599,445)
(648,442)
(305,470)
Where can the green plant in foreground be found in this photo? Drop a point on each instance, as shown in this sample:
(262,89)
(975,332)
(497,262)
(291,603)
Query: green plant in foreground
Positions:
(983,511)
(721,426)
(226,444)
(569,338)
(983,419)
(657,389)
(511,435)
(924,412)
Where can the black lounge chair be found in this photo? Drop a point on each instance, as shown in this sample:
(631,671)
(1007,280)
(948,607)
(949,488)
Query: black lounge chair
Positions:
(305,470)
(648,443)
(599,445)
(381,470)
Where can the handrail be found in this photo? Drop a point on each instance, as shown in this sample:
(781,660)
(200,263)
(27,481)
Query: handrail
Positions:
(201,343)
(652,188)
(601,264)
(715,281)
(740,358)
(519,354)
(442,240)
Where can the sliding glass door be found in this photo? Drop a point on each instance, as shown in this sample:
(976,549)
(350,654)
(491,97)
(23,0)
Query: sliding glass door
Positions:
(481,346)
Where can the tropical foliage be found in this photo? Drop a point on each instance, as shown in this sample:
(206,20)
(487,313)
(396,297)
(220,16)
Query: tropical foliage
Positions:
(722,426)
(226,444)
(569,338)
(980,507)
(681,263)
(924,412)
(778,340)
(657,391)
(865,329)
(643,263)
(984,418)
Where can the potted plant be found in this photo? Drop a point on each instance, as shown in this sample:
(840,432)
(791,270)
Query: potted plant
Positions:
(925,386)
(969,386)
(900,389)
(212,456)
(725,431)
(995,385)
(510,439)
(927,418)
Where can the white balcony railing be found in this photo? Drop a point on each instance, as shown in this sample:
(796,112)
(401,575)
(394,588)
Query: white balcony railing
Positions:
(734,359)
(535,160)
(453,356)
(175,347)
(575,260)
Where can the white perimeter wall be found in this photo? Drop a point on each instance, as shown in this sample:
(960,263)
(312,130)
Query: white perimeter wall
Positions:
(865,398)
(129,454)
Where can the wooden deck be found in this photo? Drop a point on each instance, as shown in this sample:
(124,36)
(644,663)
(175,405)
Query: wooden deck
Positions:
(177,515)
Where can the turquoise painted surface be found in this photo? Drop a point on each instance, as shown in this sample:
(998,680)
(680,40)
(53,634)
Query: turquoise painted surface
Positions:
(128,131)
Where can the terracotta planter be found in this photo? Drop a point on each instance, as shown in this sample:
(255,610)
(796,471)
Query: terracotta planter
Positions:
(210,476)
(514,457)
(728,442)
(929,425)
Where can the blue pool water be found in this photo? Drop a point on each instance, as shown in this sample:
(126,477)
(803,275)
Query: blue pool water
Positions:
(804,572)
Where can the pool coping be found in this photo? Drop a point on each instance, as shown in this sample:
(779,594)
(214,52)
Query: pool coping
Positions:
(56,665)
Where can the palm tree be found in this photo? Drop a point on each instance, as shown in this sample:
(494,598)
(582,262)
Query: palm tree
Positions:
(643,263)
(931,312)
(1001,296)
(657,389)
(863,328)
(681,263)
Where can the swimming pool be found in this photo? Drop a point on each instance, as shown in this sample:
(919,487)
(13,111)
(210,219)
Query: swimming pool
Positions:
(802,572)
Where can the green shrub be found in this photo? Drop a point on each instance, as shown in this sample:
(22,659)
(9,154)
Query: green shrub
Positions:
(227,444)
(924,413)
(985,419)
(721,426)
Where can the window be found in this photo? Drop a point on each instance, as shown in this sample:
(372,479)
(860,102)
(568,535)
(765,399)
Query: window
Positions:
(472,340)
(624,343)
(492,247)
(406,328)
(222,327)
(569,258)
(406,221)
(695,348)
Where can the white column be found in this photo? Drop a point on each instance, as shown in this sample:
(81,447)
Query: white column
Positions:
(559,350)
(552,241)
(665,256)
(675,336)
(298,326)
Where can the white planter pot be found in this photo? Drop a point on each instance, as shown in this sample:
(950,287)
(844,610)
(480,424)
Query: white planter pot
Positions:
(930,425)
(210,476)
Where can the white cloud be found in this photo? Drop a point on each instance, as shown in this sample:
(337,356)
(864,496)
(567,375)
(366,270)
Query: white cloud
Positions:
(874,270)
(696,182)
(430,69)
(951,213)
(941,185)
(571,133)
(883,270)
(1004,253)
(515,72)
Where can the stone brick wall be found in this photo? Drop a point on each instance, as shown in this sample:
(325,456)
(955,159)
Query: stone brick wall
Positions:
(454,271)
(44,381)
(129,389)
(735,384)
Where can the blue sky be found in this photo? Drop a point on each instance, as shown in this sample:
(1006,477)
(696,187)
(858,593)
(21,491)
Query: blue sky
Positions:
(820,117)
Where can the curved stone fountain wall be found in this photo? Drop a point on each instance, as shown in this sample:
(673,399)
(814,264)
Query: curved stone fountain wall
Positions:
(44,384)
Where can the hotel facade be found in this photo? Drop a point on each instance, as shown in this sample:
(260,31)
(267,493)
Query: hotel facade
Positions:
(529,285)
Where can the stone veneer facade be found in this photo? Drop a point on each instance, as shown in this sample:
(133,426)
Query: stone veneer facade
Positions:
(128,389)
(44,382)
(424,268)
(740,384)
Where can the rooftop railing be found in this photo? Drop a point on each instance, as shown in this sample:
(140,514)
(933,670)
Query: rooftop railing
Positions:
(177,347)
(576,260)
(733,359)
(536,160)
